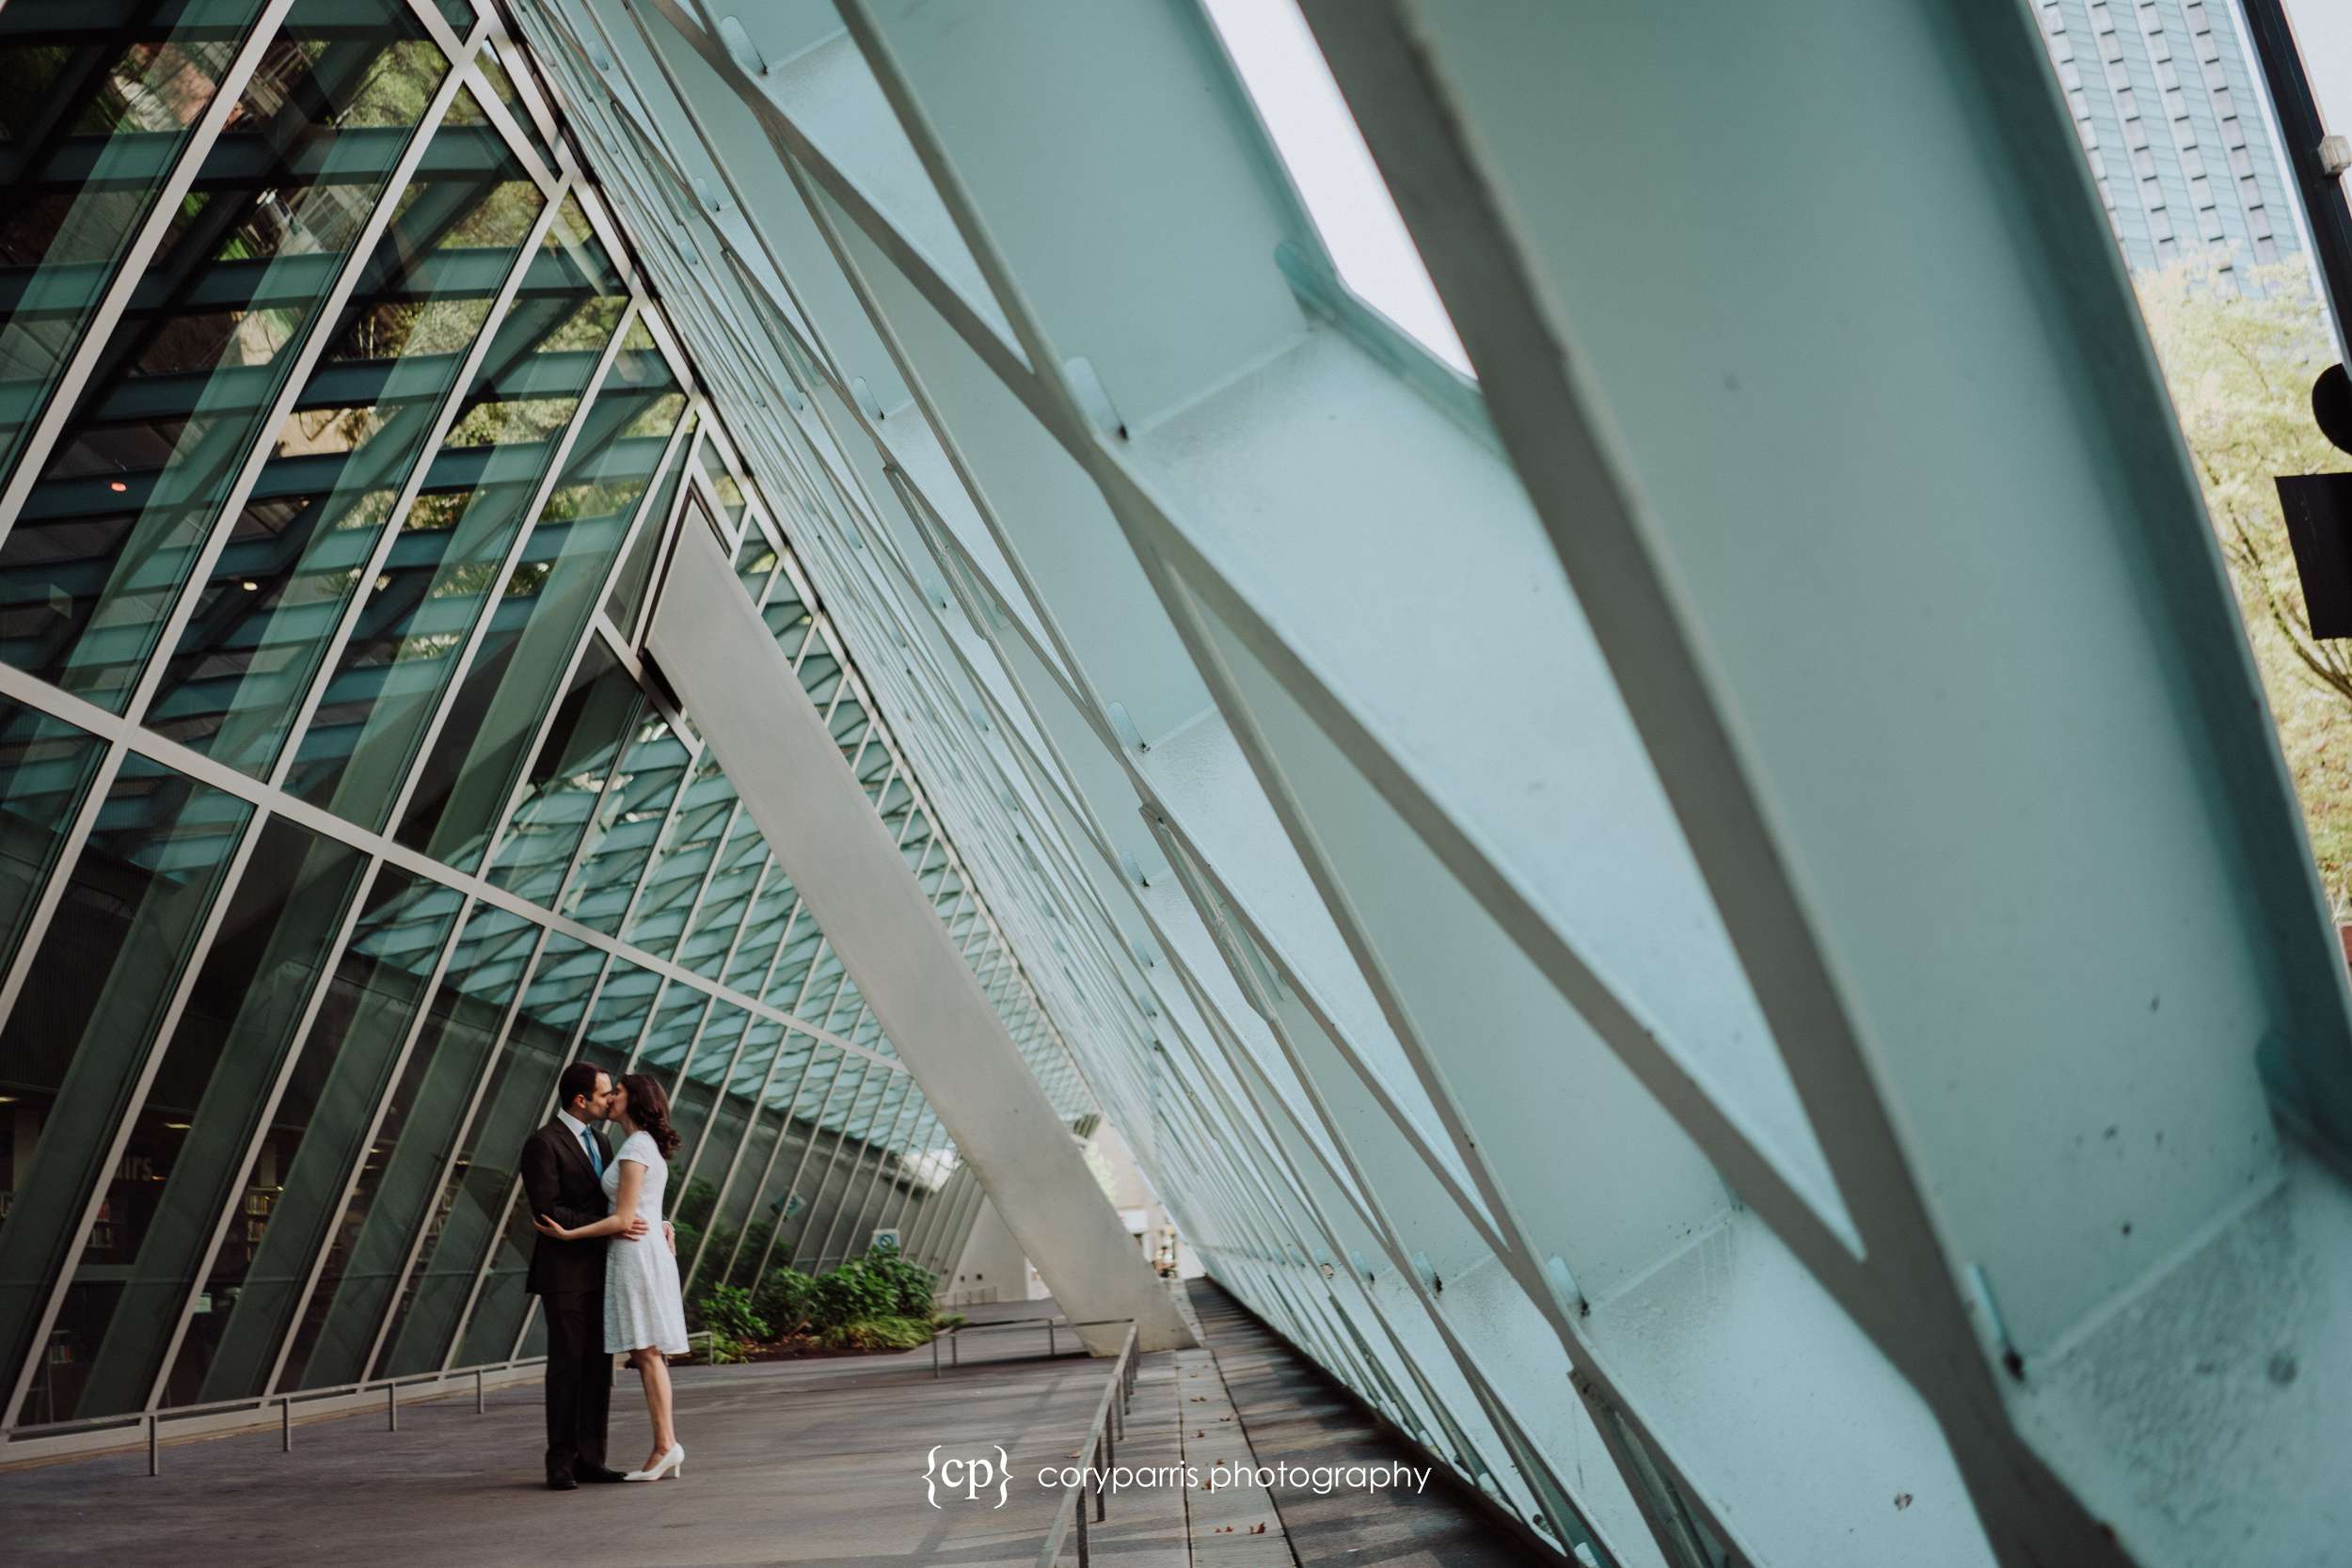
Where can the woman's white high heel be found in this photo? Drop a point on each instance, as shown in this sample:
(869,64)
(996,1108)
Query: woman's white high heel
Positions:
(671,1464)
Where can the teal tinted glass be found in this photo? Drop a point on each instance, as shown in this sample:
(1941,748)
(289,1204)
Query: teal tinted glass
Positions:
(567,557)
(90,126)
(130,919)
(415,620)
(419,1116)
(626,823)
(771,916)
(486,1156)
(614,1022)
(681,864)
(306,538)
(158,434)
(590,730)
(219,1069)
(626,602)
(45,769)
(735,882)
(317,1134)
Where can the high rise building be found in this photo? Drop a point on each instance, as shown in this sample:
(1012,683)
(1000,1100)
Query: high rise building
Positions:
(2165,98)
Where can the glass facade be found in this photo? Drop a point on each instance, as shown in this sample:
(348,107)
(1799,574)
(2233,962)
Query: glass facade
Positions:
(340,445)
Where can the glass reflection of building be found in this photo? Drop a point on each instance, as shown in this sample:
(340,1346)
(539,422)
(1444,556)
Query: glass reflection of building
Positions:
(339,447)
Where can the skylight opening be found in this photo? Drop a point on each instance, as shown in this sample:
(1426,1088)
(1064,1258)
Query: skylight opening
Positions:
(1292,86)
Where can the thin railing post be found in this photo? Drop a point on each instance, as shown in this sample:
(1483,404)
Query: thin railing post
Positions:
(153,1456)
(391,1407)
(285,1424)
(1049,1338)
(1095,1456)
(477,1390)
(1079,1506)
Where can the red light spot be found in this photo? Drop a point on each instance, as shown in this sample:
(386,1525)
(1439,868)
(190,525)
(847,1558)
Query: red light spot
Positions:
(116,486)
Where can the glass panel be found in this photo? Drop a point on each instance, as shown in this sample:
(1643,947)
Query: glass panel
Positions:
(315,1136)
(520,1096)
(503,85)
(680,866)
(613,1024)
(788,616)
(417,615)
(673,1032)
(547,604)
(133,907)
(190,1138)
(627,818)
(406,1155)
(300,547)
(789,978)
(567,777)
(627,598)
(90,126)
(45,769)
(694,1092)
(764,928)
(756,563)
(178,398)
(733,886)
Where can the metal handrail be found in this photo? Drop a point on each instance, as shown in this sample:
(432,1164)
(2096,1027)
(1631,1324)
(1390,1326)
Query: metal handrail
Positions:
(1053,1347)
(154,1419)
(1109,1425)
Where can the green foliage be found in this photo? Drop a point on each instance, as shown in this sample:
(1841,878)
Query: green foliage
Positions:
(911,1284)
(694,1203)
(727,1309)
(855,1289)
(885,1333)
(2240,362)
(945,1320)
(785,1298)
(752,1251)
(720,1350)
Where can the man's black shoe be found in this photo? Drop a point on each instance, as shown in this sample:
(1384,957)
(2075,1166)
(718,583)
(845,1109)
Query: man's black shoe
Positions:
(562,1483)
(600,1474)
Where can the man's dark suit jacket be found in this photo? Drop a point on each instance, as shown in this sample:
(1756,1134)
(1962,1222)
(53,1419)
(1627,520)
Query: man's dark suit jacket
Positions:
(559,1183)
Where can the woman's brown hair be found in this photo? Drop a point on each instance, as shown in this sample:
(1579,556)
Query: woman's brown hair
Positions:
(649,1108)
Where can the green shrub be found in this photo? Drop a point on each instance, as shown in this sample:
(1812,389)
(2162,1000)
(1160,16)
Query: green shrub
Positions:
(885,1332)
(911,1284)
(852,1292)
(785,1298)
(728,1312)
(750,1254)
(721,1350)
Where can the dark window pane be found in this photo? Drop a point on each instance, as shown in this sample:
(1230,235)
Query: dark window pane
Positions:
(316,1134)
(416,617)
(92,118)
(161,429)
(302,545)
(219,1073)
(133,906)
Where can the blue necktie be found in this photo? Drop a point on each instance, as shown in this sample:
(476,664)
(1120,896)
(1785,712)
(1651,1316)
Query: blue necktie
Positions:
(595,1158)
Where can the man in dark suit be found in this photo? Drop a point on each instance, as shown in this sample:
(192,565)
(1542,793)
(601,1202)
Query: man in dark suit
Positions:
(562,1171)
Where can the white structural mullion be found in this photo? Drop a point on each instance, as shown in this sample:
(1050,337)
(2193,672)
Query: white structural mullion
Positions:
(444,419)
(505,1216)
(639,510)
(36,693)
(467,911)
(157,1044)
(297,1043)
(324,319)
(34,455)
(784,1135)
(528,522)
(460,1126)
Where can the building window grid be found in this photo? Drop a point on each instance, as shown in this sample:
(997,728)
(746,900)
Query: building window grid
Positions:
(128,739)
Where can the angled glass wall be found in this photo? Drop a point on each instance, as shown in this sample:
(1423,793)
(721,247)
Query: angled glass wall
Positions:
(340,445)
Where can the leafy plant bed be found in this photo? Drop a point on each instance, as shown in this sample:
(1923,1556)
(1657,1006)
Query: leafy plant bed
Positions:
(877,1305)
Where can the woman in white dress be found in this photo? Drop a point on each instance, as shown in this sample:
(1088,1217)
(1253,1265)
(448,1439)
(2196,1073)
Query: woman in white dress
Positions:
(644,1313)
